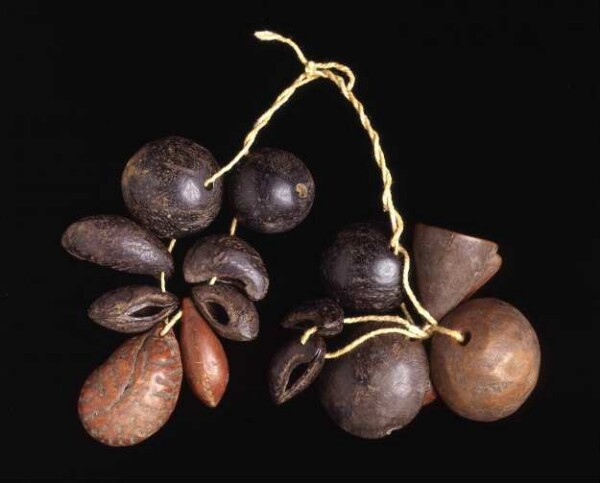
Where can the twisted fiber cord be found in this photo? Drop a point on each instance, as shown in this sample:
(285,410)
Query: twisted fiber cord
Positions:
(169,323)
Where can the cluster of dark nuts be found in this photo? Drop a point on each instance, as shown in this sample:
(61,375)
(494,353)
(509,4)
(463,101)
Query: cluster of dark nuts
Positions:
(132,395)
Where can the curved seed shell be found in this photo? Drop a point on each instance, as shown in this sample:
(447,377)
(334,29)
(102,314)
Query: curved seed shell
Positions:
(287,359)
(204,360)
(132,395)
(325,314)
(119,243)
(230,259)
(451,267)
(132,309)
(242,318)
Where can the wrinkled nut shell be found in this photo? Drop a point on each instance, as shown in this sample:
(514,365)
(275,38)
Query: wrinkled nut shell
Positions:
(230,259)
(494,372)
(119,243)
(451,267)
(132,395)
(204,360)
(325,314)
(132,309)
(163,187)
(242,322)
(361,272)
(290,356)
(377,388)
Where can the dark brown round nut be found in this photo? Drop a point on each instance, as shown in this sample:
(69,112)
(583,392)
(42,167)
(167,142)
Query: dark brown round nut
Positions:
(288,358)
(163,187)
(119,243)
(231,260)
(132,395)
(230,313)
(451,267)
(377,388)
(325,314)
(132,309)
(271,191)
(493,372)
(361,272)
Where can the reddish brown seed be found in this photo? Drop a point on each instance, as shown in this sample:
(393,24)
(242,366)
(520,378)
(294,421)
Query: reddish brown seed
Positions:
(132,395)
(492,373)
(204,360)
(451,267)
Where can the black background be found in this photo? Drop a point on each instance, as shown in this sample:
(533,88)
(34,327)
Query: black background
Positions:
(489,119)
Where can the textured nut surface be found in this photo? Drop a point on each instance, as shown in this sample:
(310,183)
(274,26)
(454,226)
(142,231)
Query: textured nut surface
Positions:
(132,395)
(361,272)
(132,309)
(230,259)
(163,187)
(450,267)
(271,191)
(204,360)
(291,356)
(241,324)
(493,373)
(325,314)
(377,388)
(119,243)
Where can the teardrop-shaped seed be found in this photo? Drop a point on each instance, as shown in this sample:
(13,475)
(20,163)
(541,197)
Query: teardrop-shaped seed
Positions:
(220,300)
(119,243)
(451,267)
(325,314)
(204,360)
(291,356)
(230,259)
(132,309)
(132,395)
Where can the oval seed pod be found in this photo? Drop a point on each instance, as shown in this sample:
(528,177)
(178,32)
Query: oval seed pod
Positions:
(163,187)
(325,314)
(132,395)
(491,374)
(215,302)
(271,191)
(291,356)
(377,388)
(451,267)
(132,309)
(119,243)
(204,360)
(230,259)
(361,272)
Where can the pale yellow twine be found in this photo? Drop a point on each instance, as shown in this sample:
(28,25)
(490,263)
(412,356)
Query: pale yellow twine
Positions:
(169,323)
(343,77)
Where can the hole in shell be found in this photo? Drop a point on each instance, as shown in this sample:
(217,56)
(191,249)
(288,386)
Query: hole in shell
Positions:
(147,311)
(209,187)
(466,337)
(304,324)
(295,375)
(302,190)
(216,312)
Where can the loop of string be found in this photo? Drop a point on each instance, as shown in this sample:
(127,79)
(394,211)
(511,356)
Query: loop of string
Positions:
(169,323)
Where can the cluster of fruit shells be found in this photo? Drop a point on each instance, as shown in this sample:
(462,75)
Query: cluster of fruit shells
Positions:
(132,395)
(381,386)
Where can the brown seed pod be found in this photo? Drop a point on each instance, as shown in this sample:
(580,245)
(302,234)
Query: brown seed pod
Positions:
(163,187)
(132,309)
(271,191)
(361,272)
(204,360)
(292,356)
(230,259)
(378,387)
(451,267)
(132,395)
(119,243)
(230,313)
(492,373)
(325,314)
